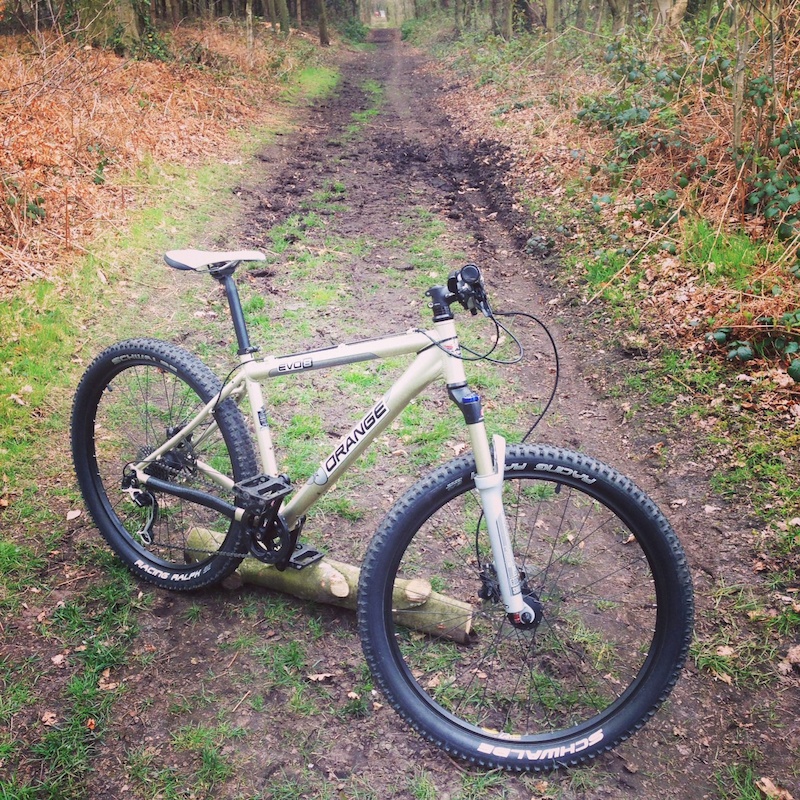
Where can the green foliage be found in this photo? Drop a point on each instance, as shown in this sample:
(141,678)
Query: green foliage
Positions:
(661,209)
(14,197)
(409,28)
(645,115)
(625,116)
(771,339)
(353,30)
(776,182)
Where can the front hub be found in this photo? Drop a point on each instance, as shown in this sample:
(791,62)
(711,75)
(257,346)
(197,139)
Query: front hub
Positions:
(532,616)
(490,590)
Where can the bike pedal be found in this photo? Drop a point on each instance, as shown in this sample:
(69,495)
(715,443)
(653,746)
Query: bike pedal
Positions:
(257,493)
(304,556)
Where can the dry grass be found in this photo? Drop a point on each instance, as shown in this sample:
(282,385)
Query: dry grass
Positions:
(74,119)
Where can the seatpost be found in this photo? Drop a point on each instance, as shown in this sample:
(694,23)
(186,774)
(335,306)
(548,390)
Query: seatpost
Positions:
(237,315)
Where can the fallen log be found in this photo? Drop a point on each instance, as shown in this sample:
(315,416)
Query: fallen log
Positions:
(415,603)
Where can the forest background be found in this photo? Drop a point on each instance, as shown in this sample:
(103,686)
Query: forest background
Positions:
(654,148)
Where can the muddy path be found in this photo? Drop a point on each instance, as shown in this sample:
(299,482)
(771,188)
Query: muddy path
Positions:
(321,731)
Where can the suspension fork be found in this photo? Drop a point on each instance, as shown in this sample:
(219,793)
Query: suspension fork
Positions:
(489,476)
(489,483)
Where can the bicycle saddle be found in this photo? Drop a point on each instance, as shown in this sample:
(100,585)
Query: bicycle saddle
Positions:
(196,260)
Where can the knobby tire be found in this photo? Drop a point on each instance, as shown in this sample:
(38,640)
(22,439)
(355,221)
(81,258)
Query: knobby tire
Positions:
(133,397)
(616,612)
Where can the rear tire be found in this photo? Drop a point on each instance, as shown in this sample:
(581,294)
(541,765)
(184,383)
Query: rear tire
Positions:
(130,397)
(615,595)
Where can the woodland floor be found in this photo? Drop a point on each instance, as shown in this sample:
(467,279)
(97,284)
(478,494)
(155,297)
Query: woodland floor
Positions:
(404,158)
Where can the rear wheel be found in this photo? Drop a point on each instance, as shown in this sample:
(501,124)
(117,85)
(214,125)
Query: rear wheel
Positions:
(599,562)
(134,396)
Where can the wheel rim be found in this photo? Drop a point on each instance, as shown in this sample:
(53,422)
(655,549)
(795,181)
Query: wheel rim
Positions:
(586,658)
(135,411)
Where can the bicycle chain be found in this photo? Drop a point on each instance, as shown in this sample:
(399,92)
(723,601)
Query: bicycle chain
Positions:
(206,552)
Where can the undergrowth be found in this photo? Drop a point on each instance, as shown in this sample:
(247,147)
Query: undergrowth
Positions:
(683,249)
(77,120)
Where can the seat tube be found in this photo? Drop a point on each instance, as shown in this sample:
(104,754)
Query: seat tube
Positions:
(255,396)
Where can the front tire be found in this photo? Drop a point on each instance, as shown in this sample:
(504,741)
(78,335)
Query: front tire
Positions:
(134,396)
(616,612)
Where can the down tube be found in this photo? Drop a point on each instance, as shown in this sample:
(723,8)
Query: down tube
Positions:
(425,368)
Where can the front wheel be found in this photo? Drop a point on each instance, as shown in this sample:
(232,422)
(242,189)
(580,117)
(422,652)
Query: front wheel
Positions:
(598,561)
(133,397)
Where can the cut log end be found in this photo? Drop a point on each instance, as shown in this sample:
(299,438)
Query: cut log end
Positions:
(415,603)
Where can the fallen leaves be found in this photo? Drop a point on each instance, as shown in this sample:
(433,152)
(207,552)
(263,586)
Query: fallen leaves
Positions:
(791,662)
(67,138)
(771,791)
(320,677)
(105,684)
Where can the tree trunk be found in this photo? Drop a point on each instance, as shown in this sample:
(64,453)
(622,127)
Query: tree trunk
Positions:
(324,38)
(335,583)
(283,16)
(551,23)
(507,19)
(617,9)
(273,16)
(107,20)
(581,14)
(742,34)
(494,14)
(248,16)
(174,12)
(677,14)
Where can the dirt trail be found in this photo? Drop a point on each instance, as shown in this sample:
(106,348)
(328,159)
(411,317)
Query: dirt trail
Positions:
(408,157)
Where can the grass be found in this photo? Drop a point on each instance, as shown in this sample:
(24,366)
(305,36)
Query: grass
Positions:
(739,781)
(722,257)
(311,82)
(96,631)
(50,331)
(733,643)
(374,94)
(210,766)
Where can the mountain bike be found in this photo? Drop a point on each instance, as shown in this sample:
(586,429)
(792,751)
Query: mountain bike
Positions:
(563,598)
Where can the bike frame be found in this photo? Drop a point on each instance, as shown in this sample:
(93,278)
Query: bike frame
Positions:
(437,355)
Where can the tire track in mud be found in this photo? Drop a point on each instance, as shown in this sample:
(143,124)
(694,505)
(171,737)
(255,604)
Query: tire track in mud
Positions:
(408,156)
